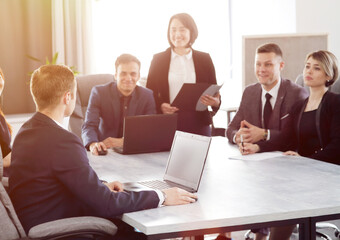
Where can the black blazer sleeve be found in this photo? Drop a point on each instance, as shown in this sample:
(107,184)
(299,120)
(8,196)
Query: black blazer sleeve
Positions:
(329,126)
(157,79)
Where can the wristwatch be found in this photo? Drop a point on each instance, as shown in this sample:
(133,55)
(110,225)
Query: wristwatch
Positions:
(265,135)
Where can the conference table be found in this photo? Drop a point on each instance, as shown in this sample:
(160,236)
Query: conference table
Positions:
(234,194)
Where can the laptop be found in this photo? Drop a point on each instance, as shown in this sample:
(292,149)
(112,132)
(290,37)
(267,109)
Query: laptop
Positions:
(148,133)
(185,164)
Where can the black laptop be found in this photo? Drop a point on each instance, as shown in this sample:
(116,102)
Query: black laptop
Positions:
(148,133)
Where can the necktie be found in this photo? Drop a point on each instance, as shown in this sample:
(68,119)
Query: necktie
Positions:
(267,111)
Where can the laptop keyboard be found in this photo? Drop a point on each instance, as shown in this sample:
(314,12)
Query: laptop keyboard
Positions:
(156,184)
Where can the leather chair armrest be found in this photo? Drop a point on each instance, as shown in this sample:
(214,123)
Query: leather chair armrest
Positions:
(76,226)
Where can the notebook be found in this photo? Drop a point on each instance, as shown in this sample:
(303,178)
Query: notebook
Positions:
(148,133)
(185,164)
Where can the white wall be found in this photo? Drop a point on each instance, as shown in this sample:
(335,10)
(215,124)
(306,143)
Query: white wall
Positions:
(259,17)
(315,16)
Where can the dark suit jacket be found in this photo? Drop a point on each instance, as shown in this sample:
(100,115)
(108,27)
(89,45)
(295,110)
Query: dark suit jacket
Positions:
(251,107)
(158,82)
(103,111)
(51,178)
(327,123)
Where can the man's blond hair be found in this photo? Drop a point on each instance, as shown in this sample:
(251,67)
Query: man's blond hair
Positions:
(49,83)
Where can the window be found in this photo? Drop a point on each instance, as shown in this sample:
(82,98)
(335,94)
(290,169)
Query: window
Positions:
(140,28)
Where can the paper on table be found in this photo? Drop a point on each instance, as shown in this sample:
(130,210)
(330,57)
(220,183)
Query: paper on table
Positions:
(258,156)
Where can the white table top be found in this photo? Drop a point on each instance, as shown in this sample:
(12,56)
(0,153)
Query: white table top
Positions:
(232,192)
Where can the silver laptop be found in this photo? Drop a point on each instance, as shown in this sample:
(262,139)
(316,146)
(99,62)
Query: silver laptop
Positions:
(185,164)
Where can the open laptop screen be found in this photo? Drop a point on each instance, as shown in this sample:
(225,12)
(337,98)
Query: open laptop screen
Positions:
(149,133)
(187,158)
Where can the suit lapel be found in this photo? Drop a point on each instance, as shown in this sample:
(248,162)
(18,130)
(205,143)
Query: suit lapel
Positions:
(257,104)
(115,101)
(274,122)
(133,106)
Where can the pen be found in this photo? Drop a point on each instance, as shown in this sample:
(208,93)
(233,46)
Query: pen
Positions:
(242,142)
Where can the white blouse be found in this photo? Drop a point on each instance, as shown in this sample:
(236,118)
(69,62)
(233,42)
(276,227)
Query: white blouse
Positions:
(182,70)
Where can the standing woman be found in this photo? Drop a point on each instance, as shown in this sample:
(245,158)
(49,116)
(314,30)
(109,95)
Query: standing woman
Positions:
(315,122)
(5,130)
(180,64)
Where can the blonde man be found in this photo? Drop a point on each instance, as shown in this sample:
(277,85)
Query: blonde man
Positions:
(50,175)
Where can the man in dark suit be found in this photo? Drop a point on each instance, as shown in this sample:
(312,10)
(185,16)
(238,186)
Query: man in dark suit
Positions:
(250,120)
(264,109)
(111,102)
(50,176)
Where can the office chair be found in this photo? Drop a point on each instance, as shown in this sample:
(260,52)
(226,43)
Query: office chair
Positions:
(329,227)
(84,87)
(230,112)
(68,228)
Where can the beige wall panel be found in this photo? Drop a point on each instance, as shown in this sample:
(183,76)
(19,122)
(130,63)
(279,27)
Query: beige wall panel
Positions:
(294,47)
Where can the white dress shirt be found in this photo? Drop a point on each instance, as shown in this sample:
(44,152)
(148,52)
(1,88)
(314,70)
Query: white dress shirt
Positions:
(182,70)
(273,92)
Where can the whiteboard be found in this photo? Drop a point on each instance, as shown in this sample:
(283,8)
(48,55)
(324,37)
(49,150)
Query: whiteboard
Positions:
(294,48)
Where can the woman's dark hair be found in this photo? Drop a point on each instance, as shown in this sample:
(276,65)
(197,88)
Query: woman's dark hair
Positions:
(188,23)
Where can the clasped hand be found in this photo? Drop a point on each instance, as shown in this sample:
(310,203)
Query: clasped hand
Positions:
(249,132)
(250,135)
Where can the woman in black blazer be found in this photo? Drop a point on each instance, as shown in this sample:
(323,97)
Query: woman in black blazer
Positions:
(181,64)
(314,129)
(5,132)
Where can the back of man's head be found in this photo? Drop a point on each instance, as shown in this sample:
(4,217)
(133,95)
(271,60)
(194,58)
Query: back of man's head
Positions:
(49,83)
(269,48)
(126,58)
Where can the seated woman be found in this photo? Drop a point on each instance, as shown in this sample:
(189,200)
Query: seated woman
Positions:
(5,132)
(314,129)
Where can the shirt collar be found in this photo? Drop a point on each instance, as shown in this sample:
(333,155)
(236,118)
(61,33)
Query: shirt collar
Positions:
(121,95)
(59,124)
(274,91)
(187,56)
